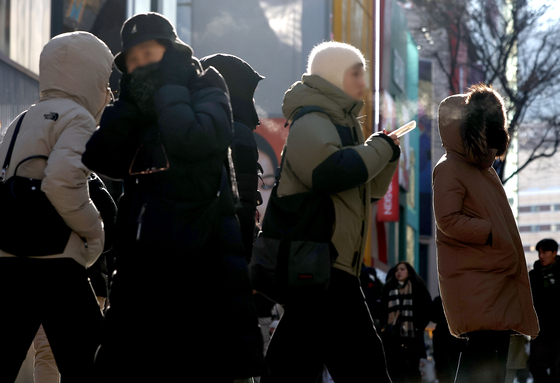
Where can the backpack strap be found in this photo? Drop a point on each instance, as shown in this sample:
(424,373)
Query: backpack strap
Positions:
(307,109)
(11,149)
(302,112)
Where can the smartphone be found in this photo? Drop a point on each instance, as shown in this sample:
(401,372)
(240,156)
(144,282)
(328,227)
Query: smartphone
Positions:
(405,129)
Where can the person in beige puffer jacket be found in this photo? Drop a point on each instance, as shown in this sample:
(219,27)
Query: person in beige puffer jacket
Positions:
(54,290)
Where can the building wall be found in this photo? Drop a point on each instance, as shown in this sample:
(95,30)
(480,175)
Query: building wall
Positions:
(434,87)
(400,73)
(30,23)
(274,36)
(539,203)
(20,89)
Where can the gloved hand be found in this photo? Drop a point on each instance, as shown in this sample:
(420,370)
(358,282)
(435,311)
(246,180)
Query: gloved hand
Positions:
(124,88)
(176,68)
(209,78)
(390,141)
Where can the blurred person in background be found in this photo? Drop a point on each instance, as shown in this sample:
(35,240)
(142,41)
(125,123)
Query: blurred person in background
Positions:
(406,303)
(447,348)
(242,80)
(268,165)
(544,361)
(372,288)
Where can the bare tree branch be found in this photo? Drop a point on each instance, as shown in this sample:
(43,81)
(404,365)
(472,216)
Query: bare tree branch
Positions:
(518,48)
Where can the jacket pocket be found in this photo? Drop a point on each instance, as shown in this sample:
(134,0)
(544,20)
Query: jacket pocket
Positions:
(505,257)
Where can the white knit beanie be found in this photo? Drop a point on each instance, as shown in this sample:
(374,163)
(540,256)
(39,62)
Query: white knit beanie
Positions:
(332,59)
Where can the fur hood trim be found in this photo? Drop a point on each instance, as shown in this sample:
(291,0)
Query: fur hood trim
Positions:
(484,123)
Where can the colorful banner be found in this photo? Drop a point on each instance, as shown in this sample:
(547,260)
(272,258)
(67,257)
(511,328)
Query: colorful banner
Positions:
(388,206)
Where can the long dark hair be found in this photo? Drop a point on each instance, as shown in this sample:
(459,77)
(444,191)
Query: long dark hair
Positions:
(413,276)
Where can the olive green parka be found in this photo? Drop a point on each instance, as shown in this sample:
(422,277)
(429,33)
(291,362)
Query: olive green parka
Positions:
(316,159)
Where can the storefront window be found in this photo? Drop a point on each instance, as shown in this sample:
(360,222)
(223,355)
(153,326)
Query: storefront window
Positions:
(5,26)
(184,20)
(80,15)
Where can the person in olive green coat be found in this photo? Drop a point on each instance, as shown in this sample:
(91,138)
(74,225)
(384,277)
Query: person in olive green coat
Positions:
(328,153)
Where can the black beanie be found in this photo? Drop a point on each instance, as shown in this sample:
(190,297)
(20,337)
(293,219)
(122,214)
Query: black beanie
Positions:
(144,27)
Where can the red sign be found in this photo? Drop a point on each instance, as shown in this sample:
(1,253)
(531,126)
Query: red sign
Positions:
(388,206)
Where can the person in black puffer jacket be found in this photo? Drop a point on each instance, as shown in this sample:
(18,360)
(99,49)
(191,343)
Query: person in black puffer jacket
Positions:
(545,286)
(167,138)
(242,81)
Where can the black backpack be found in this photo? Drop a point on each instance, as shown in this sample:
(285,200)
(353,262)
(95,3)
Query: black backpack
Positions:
(293,253)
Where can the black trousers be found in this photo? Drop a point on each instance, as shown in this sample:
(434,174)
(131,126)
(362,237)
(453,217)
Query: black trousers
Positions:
(403,362)
(167,321)
(335,330)
(484,359)
(57,294)
(545,354)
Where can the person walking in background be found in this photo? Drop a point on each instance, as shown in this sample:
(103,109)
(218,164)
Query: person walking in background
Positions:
(545,285)
(406,303)
(372,288)
(326,152)
(447,348)
(242,80)
(481,264)
(180,262)
(54,290)
(268,163)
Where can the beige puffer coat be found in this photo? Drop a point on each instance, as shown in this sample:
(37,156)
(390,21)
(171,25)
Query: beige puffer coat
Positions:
(73,79)
(314,141)
(484,286)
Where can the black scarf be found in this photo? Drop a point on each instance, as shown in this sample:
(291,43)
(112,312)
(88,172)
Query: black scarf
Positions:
(144,83)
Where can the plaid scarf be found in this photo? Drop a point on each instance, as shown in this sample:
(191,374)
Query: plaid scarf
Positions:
(400,309)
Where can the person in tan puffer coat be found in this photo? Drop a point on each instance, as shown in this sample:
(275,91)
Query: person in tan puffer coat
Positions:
(482,268)
(54,290)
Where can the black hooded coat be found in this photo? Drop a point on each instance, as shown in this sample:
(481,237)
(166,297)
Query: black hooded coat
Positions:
(242,80)
(180,263)
(546,299)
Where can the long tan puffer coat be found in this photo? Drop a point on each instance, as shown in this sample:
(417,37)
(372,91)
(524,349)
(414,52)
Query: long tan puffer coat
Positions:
(484,284)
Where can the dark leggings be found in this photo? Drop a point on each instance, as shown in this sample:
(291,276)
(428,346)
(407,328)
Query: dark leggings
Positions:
(545,354)
(336,331)
(484,359)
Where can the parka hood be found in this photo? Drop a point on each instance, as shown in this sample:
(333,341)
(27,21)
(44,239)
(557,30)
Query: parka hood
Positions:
(76,66)
(467,141)
(313,90)
(242,81)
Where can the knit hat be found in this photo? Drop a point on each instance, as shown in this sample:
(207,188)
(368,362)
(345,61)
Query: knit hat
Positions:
(332,59)
(144,27)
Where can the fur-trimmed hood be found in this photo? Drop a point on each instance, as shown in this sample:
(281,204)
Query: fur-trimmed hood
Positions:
(473,125)
(481,263)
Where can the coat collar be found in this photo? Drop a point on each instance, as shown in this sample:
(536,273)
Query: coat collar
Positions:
(314,90)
